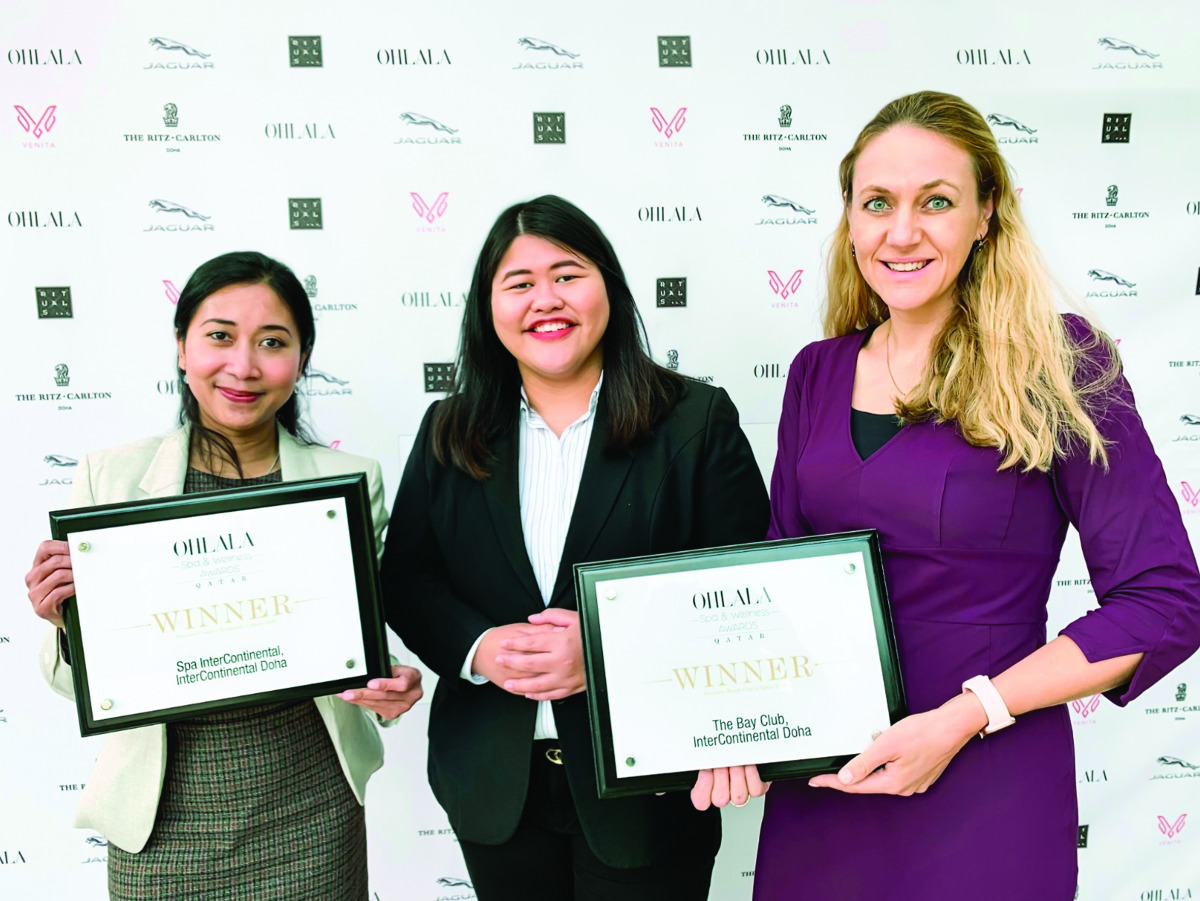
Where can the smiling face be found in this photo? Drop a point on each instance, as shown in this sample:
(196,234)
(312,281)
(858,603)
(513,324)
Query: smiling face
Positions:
(550,309)
(241,357)
(914,213)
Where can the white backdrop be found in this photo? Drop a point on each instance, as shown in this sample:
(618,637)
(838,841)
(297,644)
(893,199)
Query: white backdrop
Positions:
(410,126)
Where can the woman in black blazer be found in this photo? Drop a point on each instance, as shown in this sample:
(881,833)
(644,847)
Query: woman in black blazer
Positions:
(561,442)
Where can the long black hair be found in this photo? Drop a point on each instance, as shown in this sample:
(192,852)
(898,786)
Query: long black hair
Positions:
(483,400)
(242,267)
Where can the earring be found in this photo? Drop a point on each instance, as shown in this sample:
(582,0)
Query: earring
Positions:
(183,378)
(979,242)
(852,252)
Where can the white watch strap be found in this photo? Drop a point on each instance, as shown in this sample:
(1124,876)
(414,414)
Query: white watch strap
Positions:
(993,705)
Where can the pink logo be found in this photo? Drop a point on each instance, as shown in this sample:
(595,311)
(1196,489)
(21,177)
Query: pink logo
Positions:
(429,212)
(1085,707)
(335,444)
(39,126)
(171,291)
(1191,495)
(1170,830)
(668,128)
(779,287)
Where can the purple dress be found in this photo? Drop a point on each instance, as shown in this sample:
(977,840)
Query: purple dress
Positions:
(969,554)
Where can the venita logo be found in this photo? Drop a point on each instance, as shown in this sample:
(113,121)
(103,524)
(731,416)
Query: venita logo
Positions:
(1115,128)
(1121,54)
(192,221)
(44,219)
(790,212)
(784,289)
(668,127)
(674,50)
(181,55)
(304,131)
(801,56)
(40,57)
(1086,707)
(993,56)
(671,292)
(784,140)
(549,128)
(54,303)
(321,384)
(305,51)
(1020,134)
(1171,828)
(551,56)
(428,130)
(37,127)
(1175,768)
(426,56)
(1103,275)
(439,377)
(1191,497)
(430,212)
(171,292)
(669,214)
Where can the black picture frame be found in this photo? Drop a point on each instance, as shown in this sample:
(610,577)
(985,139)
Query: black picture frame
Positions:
(351,488)
(609,783)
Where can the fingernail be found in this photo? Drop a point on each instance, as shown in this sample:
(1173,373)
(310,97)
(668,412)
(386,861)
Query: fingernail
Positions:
(373,684)
(812,783)
(347,696)
(845,777)
(508,685)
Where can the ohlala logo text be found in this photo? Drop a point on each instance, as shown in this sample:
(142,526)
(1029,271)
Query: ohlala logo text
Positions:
(744,672)
(190,547)
(714,600)
(226,614)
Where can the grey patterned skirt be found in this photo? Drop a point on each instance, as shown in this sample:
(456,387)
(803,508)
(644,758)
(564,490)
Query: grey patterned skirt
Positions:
(254,806)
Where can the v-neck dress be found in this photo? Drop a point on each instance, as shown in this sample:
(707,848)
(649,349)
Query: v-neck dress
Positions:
(969,555)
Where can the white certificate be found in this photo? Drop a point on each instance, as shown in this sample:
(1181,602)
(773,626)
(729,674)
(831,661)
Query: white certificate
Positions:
(773,653)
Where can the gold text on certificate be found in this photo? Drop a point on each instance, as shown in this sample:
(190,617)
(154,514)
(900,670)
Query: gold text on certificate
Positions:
(229,613)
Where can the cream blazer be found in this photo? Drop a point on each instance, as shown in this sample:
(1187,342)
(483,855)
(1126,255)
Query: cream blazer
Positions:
(120,800)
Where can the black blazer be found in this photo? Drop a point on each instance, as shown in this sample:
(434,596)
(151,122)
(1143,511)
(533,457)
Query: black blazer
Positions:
(455,565)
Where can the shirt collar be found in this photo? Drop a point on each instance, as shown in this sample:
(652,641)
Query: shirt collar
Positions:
(531,415)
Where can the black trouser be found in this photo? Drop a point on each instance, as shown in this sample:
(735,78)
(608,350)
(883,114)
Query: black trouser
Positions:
(548,858)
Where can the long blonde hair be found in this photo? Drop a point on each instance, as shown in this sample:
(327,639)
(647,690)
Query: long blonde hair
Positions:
(1002,368)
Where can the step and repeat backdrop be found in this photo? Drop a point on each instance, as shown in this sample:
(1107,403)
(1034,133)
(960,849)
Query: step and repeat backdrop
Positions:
(370,145)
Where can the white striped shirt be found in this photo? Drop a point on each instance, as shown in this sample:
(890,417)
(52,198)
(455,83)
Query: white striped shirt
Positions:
(550,469)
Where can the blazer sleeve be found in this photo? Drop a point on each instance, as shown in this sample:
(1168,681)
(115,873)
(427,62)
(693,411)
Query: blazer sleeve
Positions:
(1141,563)
(379,513)
(731,500)
(786,518)
(419,602)
(52,658)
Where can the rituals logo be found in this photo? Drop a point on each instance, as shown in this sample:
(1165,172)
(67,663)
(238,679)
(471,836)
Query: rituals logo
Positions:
(549,128)
(439,377)
(427,56)
(668,128)
(40,57)
(674,51)
(196,59)
(1116,128)
(1083,836)
(562,57)
(54,303)
(802,56)
(37,127)
(1021,133)
(803,215)
(1103,275)
(784,289)
(443,134)
(1137,58)
(195,221)
(993,56)
(784,139)
(430,212)
(304,213)
(671,292)
(305,51)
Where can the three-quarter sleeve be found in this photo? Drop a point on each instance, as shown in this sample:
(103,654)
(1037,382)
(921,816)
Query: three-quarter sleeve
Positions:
(1141,563)
(786,519)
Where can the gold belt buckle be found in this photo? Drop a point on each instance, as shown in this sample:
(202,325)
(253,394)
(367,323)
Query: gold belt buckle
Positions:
(554,755)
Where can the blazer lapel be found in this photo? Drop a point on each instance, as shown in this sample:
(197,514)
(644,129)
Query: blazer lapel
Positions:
(602,479)
(503,497)
(165,474)
(295,463)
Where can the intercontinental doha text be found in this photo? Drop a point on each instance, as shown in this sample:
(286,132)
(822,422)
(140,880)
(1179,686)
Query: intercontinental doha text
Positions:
(747,730)
(224,666)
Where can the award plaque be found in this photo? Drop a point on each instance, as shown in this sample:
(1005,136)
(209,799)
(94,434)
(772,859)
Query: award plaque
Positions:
(778,653)
(204,602)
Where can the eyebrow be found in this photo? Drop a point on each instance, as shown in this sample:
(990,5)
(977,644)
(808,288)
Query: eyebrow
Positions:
(559,265)
(876,189)
(269,327)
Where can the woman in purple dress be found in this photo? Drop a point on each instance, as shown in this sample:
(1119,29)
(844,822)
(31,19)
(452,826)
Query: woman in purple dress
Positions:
(956,412)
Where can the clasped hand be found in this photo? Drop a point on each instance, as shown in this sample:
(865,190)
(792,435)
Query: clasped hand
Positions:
(541,660)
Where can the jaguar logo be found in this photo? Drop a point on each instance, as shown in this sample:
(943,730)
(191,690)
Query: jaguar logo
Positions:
(997,119)
(169,206)
(453,882)
(1103,275)
(536,44)
(776,200)
(1175,761)
(418,119)
(168,44)
(1118,44)
(60,460)
(1190,419)
(97,841)
(325,377)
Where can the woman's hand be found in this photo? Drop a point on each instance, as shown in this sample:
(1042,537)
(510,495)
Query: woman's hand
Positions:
(51,581)
(549,663)
(911,755)
(488,653)
(724,784)
(388,697)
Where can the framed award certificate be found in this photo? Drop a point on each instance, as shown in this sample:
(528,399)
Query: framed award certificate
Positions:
(191,604)
(779,653)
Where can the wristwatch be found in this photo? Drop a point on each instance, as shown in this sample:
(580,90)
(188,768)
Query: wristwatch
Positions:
(993,705)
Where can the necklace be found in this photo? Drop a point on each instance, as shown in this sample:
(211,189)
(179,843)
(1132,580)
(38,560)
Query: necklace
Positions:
(887,344)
